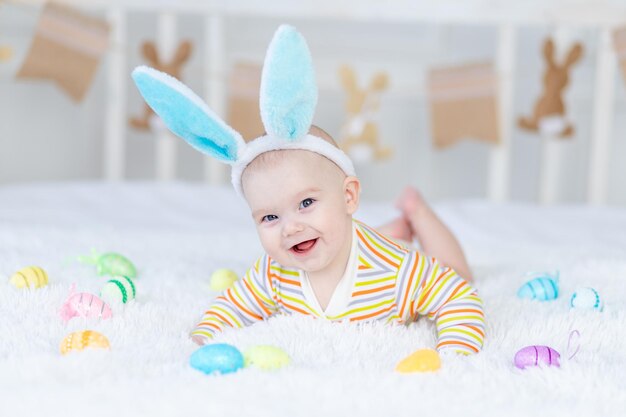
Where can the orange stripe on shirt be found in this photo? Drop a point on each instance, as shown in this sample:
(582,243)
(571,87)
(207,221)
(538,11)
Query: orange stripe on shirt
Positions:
(284,280)
(425,296)
(463,310)
(391,242)
(375,313)
(207,323)
(373,290)
(476,329)
(219,316)
(256,298)
(230,295)
(456,290)
(294,308)
(405,296)
(380,255)
(451,342)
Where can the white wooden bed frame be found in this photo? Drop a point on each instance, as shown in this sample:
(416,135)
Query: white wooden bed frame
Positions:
(507,16)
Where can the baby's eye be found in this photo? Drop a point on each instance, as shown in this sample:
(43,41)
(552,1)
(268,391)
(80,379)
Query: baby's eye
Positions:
(306,202)
(268,218)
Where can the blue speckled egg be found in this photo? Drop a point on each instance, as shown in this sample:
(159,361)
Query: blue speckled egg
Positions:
(542,288)
(217,358)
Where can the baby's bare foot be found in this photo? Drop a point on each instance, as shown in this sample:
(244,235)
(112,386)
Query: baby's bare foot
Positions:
(410,202)
(398,229)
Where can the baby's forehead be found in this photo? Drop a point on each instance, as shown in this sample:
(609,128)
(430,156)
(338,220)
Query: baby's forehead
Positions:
(298,157)
(310,167)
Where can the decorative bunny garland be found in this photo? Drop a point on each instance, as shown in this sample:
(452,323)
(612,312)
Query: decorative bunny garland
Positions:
(287,99)
(549,112)
(173,67)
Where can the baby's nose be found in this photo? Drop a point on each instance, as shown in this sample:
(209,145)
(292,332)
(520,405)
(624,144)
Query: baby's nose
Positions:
(292,227)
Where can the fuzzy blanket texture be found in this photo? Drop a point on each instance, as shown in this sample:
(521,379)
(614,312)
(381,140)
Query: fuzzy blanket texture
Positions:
(178,233)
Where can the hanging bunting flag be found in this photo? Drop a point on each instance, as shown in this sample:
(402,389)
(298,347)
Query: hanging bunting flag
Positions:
(6,53)
(359,134)
(243,103)
(549,115)
(463,104)
(619,42)
(174,67)
(66,48)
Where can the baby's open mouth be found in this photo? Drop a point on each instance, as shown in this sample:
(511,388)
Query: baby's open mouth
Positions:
(305,246)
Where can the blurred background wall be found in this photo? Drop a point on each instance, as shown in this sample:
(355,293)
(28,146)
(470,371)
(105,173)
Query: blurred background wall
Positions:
(45,136)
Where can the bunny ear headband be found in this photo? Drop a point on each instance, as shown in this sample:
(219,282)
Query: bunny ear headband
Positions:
(288,97)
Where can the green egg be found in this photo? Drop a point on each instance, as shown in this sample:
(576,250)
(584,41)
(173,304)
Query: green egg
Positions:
(115,264)
(266,357)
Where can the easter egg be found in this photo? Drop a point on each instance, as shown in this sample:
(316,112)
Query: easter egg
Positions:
(422,360)
(30,277)
(115,264)
(266,357)
(78,341)
(223,279)
(543,288)
(119,289)
(536,356)
(85,305)
(586,299)
(218,358)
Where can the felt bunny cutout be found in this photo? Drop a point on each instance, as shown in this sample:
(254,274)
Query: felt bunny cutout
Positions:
(287,98)
(360,134)
(174,67)
(549,112)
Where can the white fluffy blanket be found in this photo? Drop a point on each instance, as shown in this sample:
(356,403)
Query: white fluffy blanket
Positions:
(177,234)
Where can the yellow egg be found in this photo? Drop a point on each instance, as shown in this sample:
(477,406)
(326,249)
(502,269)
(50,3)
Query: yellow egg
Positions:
(223,279)
(423,360)
(266,357)
(84,339)
(29,277)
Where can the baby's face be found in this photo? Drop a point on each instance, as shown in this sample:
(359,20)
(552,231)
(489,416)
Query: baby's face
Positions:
(302,205)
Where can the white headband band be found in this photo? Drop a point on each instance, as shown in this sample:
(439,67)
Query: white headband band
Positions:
(268,143)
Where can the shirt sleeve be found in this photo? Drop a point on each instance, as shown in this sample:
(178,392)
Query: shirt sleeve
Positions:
(248,301)
(445,297)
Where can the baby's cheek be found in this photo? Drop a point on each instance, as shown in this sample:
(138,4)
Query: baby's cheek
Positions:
(271,245)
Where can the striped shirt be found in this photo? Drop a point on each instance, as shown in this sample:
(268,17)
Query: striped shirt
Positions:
(392,283)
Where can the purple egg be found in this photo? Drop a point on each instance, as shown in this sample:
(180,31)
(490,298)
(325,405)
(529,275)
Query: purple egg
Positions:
(536,355)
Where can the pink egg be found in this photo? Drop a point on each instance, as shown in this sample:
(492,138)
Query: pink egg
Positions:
(84,304)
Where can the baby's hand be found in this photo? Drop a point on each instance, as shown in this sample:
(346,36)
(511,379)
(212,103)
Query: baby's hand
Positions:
(199,340)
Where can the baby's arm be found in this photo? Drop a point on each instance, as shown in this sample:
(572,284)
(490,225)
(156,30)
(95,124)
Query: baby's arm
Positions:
(247,302)
(447,298)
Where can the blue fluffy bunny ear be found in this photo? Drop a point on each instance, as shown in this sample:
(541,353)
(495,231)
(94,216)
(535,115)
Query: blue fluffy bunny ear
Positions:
(288,89)
(185,114)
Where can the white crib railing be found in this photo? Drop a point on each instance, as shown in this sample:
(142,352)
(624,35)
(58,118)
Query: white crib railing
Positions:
(602,15)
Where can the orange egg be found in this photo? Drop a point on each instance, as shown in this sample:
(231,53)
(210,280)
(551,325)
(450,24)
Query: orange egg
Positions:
(82,340)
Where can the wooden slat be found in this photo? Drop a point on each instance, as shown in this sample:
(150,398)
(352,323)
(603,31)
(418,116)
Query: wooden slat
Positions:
(215,172)
(115,110)
(500,156)
(166,142)
(602,123)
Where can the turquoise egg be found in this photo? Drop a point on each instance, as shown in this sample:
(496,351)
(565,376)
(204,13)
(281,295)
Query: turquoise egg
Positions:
(218,358)
(586,299)
(543,288)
